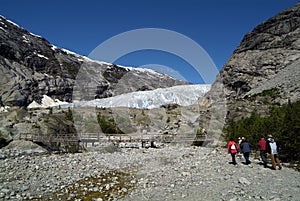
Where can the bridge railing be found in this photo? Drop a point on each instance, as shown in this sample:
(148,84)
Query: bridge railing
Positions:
(101,137)
(69,137)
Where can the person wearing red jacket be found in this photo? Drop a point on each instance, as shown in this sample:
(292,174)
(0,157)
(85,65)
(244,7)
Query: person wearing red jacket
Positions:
(262,144)
(232,149)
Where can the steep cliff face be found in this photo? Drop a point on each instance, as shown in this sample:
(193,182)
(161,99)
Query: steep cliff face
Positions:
(31,67)
(265,68)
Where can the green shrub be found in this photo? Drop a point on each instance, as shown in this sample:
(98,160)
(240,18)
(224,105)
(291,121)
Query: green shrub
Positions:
(108,125)
(69,115)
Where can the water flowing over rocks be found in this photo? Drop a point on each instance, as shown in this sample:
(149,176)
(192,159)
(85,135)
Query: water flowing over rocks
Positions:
(174,172)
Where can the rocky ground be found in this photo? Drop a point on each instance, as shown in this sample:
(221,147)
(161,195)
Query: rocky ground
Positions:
(172,172)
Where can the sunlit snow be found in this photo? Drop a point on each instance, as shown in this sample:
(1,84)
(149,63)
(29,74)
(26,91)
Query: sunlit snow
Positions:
(46,102)
(183,95)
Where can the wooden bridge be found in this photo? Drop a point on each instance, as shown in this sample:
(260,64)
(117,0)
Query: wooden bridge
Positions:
(71,137)
(93,137)
(82,140)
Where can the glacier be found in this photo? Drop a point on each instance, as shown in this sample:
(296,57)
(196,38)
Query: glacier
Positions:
(183,95)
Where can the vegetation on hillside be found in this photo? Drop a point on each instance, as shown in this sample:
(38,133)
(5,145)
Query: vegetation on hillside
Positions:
(283,123)
(108,125)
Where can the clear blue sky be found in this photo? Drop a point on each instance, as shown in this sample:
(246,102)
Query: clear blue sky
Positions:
(217,26)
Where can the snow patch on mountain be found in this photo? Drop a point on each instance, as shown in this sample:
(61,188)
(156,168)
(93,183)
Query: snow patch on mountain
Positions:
(46,102)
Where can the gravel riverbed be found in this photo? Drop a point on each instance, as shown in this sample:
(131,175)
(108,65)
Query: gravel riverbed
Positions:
(174,172)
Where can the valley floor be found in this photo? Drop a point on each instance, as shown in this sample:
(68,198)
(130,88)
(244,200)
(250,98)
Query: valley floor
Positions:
(174,172)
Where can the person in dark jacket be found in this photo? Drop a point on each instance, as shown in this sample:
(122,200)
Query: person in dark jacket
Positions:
(272,151)
(246,149)
(262,144)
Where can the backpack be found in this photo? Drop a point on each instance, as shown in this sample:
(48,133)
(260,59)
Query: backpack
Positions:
(233,148)
(273,146)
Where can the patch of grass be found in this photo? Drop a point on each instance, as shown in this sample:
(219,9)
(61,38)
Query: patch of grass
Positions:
(266,94)
(109,186)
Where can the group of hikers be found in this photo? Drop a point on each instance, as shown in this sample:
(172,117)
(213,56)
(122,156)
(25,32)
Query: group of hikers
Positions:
(266,147)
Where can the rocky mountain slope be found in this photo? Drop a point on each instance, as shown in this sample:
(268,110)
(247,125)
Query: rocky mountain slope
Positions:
(265,68)
(31,67)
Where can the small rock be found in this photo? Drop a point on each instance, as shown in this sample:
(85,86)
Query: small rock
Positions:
(233,199)
(214,152)
(243,180)
(24,188)
(275,199)
(2,195)
(97,199)
(124,190)
(95,189)
(186,174)
(5,191)
(107,187)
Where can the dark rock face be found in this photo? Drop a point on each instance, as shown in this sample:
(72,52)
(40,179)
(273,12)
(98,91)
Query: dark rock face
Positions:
(31,67)
(266,51)
(278,32)
(267,59)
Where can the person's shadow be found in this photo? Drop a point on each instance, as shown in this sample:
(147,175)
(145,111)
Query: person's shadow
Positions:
(246,163)
(262,164)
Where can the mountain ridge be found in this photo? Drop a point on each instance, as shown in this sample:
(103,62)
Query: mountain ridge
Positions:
(32,67)
(267,59)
